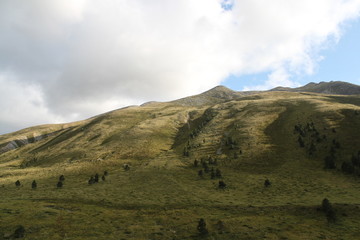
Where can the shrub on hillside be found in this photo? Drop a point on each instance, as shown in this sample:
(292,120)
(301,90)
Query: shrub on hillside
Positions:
(201,227)
(212,175)
(34,185)
(59,184)
(91,180)
(267,183)
(19,232)
(218,173)
(325,205)
(222,184)
(301,142)
(17,183)
(206,168)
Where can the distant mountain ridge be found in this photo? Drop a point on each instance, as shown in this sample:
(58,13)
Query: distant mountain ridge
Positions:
(333,87)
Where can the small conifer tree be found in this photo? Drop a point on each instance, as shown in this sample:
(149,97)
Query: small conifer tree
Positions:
(222,184)
(17,183)
(34,185)
(61,178)
(267,183)
(218,173)
(19,232)
(325,205)
(91,180)
(201,227)
(59,184)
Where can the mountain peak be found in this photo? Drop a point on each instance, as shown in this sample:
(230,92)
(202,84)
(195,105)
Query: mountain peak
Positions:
(333,87)
(221,92)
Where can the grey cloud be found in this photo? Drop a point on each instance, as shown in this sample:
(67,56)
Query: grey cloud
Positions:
(80,58)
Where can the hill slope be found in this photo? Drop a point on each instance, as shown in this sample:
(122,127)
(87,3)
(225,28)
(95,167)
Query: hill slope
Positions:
(334,87)
(153,190)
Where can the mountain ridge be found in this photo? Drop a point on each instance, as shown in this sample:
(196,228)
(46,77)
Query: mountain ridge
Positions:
(218,94)
(153,171)
(333,87)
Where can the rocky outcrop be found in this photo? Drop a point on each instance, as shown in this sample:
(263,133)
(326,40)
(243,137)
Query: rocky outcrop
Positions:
(16,143)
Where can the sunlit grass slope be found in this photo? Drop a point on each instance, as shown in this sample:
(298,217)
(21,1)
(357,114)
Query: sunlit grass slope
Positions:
(161,196)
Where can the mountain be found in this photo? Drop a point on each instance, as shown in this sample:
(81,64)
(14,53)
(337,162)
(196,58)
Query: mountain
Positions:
(215,95)
(334,87)
(164,161)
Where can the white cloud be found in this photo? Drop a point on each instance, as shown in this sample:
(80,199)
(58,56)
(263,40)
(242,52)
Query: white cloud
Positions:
(22,105)
(86,57)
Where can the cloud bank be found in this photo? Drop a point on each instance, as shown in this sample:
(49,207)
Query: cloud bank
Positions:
(68,60)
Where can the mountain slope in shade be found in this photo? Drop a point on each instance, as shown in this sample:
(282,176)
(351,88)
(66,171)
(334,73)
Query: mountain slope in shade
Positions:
(334,87)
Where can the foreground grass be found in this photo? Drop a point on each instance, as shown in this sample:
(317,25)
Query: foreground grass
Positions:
(167,204)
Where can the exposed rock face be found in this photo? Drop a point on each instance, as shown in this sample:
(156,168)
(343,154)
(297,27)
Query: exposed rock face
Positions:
(8,146)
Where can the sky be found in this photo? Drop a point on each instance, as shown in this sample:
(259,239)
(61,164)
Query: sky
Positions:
(62,61)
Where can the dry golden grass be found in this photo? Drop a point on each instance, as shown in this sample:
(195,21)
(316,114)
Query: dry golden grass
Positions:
(162,197)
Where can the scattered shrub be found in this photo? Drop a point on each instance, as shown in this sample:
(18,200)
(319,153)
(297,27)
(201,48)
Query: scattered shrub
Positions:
(19,232)
(312,148)
(201,227)
(218,173)
(200,173)
(325,205)
(34,185)
(59,184)
(212,175)
(206,168)
(267,183)
(220,227)
(222,184)
(301,142)
(17,183)
(91,180)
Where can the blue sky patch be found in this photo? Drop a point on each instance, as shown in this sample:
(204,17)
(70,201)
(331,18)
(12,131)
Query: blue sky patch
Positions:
(227,5)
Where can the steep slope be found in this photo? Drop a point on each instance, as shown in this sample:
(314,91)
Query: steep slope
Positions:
(154,191)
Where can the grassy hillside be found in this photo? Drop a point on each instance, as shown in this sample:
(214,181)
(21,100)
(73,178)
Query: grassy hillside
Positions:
(161,196)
